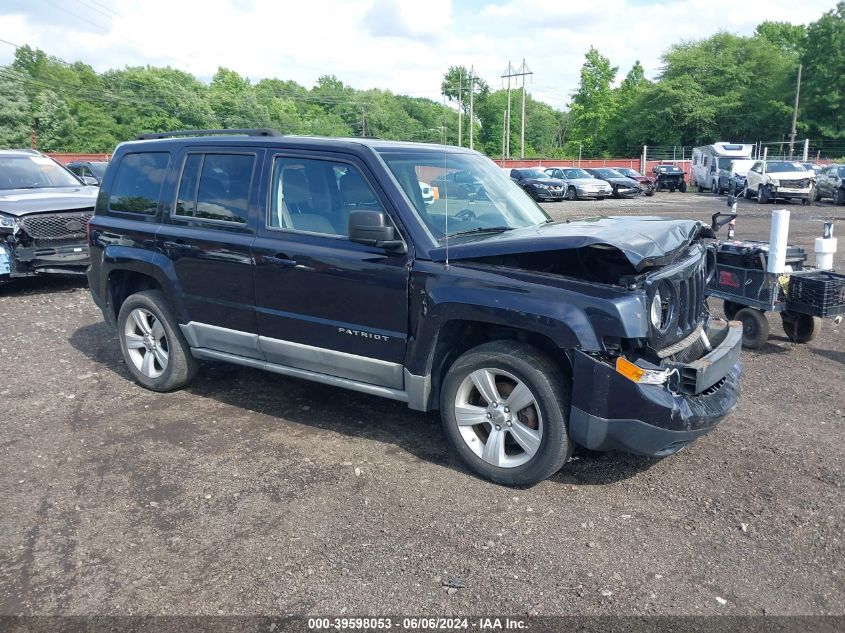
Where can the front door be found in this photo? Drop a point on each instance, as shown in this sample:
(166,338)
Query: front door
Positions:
(323,303)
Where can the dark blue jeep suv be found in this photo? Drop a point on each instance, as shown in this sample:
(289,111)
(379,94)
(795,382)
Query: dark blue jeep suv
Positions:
(319,258)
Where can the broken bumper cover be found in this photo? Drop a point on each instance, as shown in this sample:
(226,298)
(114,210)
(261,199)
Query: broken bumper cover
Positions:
(611,412)
(26,261)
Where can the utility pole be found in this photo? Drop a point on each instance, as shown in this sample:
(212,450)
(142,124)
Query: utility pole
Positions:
(460,104)
(793,131)
(471,113)
(522,71)
(510,72)
(503,137)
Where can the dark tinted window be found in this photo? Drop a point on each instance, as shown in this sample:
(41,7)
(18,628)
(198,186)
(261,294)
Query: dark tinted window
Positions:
(223,190)
(137,185)
(186,201)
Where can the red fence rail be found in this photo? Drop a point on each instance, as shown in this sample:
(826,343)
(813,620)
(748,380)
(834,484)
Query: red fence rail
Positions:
(65,158)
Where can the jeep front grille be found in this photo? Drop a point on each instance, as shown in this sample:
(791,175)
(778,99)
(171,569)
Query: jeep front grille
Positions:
(66,225)
(690,293)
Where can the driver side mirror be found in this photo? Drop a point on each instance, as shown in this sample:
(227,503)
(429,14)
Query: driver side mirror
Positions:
(372,228)
(91,181)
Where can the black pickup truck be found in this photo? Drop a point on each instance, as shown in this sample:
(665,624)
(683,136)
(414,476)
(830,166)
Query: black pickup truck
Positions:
(320,259)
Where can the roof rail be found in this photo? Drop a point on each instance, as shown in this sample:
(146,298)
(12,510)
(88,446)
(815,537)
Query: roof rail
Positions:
(260,131)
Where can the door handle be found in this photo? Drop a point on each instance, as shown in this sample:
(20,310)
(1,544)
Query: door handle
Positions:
(182,246)
(279,260)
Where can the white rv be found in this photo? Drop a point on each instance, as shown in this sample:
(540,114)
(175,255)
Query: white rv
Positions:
(709,159)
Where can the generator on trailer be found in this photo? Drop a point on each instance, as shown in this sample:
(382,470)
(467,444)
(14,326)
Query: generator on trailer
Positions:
(708,160)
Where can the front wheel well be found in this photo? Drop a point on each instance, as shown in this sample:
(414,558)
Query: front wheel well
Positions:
(459,336)
(123,283)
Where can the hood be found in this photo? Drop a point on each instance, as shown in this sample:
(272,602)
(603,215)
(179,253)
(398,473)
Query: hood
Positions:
(554,182)
(791,175)
(624,182)
(588,181)
(24,201)
(644,240)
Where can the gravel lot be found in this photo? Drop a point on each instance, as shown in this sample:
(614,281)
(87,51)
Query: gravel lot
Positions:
(250,493)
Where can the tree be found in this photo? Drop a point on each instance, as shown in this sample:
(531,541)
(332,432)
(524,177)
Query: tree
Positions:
(620,137)
(55,127)
(822,92)
(593,105)
(234,102)
(14,113)
(785,36)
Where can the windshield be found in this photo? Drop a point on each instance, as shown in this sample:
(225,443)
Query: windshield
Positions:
(532,173)
(842,171)
(470,193)
(631,173)
(608,173)
(99,169)
(725,163)
(33,172)
(776,166)
(576,173)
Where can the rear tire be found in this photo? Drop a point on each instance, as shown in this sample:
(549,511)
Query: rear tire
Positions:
(522,447)
(755,328)
(800,328)
(154,348)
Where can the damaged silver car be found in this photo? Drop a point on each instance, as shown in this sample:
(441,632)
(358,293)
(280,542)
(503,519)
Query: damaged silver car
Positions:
(44,212)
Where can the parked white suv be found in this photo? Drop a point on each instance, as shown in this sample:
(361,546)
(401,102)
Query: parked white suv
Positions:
(773,179)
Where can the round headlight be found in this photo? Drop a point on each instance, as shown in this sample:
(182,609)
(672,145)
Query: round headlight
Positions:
(657,310)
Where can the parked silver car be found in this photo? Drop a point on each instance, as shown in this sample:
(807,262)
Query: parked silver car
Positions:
(580,184)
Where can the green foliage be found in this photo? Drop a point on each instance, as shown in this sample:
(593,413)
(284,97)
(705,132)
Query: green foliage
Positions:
(594,104)
(14,114)
(823,92)
(785,36)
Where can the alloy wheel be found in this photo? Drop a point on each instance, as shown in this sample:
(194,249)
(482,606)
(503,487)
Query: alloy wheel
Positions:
(498,417)
(146,343)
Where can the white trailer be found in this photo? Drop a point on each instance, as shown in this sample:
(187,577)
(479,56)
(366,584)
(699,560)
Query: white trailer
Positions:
(707,160)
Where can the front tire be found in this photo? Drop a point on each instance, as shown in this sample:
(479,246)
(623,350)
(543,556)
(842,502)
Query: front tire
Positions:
(682,187)
(755,327)
(839,196)
(154,348)
(762,198)
(571,194)
(505,408)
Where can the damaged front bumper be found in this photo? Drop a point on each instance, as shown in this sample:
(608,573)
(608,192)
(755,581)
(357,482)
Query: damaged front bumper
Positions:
(609,411)
(27,261)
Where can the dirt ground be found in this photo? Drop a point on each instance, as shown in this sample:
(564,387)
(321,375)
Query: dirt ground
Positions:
(250,493)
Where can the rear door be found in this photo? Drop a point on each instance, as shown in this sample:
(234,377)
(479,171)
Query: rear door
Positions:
(207,233)
(323,303)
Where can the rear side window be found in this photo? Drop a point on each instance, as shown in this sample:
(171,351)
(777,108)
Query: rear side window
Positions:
(215,187)
(137,186)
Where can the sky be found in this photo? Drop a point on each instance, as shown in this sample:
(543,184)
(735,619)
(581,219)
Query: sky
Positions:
(402,46)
